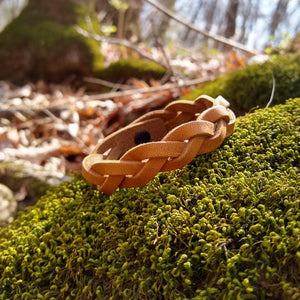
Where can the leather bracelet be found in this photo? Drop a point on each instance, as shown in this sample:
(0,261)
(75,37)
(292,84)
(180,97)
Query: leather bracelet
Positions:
(159,141)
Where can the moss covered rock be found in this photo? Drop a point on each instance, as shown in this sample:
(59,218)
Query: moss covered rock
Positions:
(252,86)
(125,69)
(226,226)
(42,43)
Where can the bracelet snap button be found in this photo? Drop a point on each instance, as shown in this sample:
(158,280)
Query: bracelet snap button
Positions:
(142,137)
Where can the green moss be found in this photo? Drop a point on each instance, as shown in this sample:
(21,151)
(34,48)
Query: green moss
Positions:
(226,226)
(252,86)
(124,69)
(42,34)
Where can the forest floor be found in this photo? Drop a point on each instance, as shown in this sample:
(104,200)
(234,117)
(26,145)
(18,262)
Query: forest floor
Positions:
(55,126)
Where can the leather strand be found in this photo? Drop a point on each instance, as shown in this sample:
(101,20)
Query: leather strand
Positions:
(179,132)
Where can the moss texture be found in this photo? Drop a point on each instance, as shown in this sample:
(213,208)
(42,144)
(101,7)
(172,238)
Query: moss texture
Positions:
(226,226)
(42,43)
(252,86)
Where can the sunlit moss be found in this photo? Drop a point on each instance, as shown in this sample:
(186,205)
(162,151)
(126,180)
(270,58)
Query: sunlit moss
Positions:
(226,226)
(252,86)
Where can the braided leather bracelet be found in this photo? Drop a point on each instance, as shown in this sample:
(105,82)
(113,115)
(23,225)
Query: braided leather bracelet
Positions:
(161,140)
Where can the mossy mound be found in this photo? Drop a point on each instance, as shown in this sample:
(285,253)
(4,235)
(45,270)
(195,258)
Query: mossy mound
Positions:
(125,69)
(42,43)
(252,86)
(226,226)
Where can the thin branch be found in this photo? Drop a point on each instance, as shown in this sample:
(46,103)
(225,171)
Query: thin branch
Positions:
(123,42)
(112,85)
(273,91)
(8,112)
(217,38)
(152,89)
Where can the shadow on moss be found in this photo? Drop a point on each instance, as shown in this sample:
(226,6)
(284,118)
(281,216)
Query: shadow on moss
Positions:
(226,226)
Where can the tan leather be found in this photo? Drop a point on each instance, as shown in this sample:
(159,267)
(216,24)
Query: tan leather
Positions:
(179,132)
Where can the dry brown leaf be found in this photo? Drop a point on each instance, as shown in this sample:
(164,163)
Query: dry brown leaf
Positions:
(87,112)
(137,83)
(234,62)
(154,82)
(70,150)
(35,155)
(10,135)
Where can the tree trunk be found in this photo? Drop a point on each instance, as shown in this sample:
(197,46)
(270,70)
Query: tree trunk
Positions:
(127,22)
(278,15)
(188,34)
(160,22)
(210,13)
(132,28)
(209,16)
(230,18)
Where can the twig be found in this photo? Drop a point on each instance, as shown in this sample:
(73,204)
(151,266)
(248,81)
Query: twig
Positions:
(60,121)
(149,89)
(123,42)
(108,83)
(4,111)
(273,91)
(217,38)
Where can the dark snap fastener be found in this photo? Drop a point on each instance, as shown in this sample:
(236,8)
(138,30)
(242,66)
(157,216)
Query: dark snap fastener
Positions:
(142,137)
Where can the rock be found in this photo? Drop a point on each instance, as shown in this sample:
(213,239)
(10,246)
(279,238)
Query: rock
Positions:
(29,179)
(42,43)
(8,205)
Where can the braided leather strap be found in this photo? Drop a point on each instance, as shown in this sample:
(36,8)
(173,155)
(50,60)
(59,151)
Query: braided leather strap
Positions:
(161,140)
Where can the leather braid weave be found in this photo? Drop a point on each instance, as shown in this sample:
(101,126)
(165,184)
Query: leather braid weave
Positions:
(179,132)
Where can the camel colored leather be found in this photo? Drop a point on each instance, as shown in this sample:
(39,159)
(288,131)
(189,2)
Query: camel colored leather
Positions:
(179,132)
